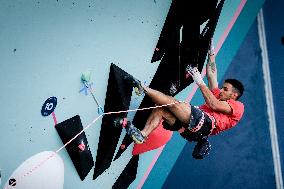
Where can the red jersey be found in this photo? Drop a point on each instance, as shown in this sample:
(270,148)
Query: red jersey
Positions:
(224,121)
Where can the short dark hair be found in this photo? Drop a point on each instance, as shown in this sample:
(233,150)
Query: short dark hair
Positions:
(238,87)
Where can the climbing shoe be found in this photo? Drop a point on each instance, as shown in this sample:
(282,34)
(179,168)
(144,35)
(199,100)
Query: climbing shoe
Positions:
(201,149)
(138,89)
(135,134)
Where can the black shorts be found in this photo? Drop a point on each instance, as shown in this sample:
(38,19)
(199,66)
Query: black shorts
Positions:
(200,125)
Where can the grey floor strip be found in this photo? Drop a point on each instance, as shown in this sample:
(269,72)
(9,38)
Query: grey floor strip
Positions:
(269,101)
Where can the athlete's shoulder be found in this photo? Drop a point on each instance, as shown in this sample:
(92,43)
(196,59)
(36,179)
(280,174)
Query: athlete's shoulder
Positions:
(236,103)
(237,107)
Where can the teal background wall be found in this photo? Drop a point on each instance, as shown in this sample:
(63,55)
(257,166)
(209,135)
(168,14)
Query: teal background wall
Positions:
(45,46)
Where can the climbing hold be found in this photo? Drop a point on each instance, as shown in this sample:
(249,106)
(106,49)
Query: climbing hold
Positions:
(82,147)
(86,76)
(124,122)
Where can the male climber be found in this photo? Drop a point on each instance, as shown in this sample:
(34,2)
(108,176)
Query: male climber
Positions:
(221,110)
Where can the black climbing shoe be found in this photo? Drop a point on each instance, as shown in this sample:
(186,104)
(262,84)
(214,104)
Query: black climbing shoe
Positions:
(135,134)
(138,89)
(201,149)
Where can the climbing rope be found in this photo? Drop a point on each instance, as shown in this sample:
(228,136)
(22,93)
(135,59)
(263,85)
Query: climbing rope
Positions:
(11,183)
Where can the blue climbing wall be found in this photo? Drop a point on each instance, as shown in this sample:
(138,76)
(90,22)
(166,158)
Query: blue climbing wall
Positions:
(45,47)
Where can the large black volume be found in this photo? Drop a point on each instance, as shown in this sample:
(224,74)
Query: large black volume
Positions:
(78,149)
